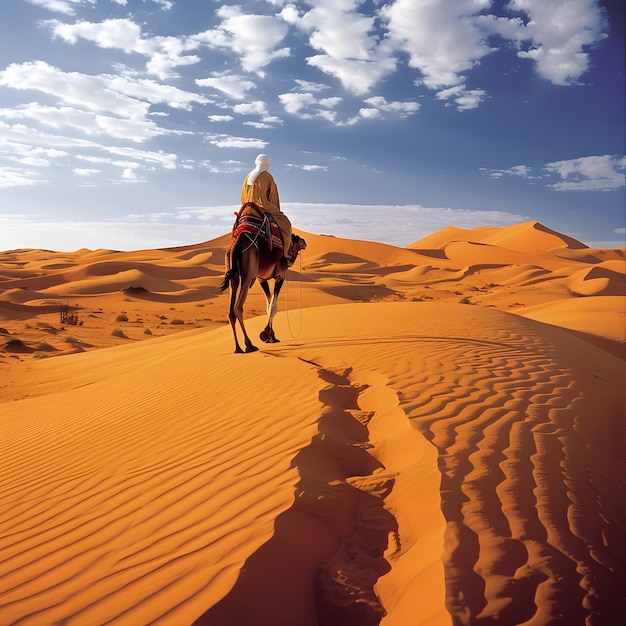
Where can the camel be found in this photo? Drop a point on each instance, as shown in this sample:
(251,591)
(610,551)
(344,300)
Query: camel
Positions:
(251,257)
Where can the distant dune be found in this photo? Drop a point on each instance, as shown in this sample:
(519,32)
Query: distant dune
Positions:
(439,438)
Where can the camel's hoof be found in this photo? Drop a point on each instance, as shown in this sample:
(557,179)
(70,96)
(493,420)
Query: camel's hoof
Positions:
(251,348)
(268,336)
(238,350)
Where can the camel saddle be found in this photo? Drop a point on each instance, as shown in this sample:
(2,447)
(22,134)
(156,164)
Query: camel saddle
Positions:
(256,222)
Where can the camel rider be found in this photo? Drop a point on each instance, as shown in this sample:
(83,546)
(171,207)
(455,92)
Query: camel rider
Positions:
(259,187)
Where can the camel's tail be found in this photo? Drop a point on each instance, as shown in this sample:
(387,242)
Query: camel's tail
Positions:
(232,260)
(227,277)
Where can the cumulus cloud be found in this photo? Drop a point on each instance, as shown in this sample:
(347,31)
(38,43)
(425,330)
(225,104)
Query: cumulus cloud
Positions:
(592,173)
(378,106)
(255,39)
(445,40)
(308,106)
(557,34)
(349,49)
(442,39)
(164,53)
(220,118)
(465,99)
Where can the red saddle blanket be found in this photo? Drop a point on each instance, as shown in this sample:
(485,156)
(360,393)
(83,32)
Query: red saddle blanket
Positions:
(256,222)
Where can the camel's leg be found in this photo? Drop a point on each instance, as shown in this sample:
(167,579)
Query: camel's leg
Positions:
(232,316)
(267,334)
(238,312)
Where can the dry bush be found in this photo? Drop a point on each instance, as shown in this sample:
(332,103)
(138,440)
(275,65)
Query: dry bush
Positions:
(68,314)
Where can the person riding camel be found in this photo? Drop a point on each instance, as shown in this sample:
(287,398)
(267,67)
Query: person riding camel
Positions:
(259,187)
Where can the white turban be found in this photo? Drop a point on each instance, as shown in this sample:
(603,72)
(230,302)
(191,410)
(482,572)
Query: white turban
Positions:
(262,163)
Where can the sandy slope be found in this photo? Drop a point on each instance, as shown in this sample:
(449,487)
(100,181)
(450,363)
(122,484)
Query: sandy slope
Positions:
(405,459)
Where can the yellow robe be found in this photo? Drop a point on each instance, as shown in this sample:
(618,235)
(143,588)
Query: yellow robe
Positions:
(264,192)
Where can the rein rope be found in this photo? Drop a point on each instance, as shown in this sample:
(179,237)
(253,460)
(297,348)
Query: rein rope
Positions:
(299,304)
(256,235)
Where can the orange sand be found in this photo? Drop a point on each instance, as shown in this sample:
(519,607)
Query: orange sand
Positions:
(401,457)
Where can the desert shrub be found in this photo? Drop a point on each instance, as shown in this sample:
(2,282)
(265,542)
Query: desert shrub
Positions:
(40,355)
(466,300)
(177,322)
(134,289)
(121,318)
(118,332)
(68,314)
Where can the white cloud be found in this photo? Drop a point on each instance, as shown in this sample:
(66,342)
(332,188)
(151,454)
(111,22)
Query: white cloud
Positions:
(350,51)
(14,177)
(558,32)
(67,7)
(73,88)
(116,33)
(165,53)
(255,39)
(441,38)
(233,85)
(311,87)
(446,39)
(220,118)
(523,171)
(86,171)
(21,144)
(257,108)
(130,175)
(251,108)
(307,168)
(153,92)
(403,109)
(592,173)
(308,106)
(356,75)
(230,141)
(378,107)
(465,99)
(115,101)
(134,130)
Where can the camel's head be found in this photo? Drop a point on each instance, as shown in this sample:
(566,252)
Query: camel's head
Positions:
(298,243)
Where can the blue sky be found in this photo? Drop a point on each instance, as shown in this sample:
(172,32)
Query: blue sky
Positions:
(130,124)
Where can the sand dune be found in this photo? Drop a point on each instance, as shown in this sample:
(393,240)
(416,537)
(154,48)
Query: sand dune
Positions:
(400,458)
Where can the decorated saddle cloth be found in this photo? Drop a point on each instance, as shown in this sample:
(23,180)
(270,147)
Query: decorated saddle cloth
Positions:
(256,223)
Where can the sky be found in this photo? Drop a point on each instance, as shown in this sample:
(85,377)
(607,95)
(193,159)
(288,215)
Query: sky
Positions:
(131,124)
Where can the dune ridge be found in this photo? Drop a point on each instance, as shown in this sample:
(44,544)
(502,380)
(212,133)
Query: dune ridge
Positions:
(440,442)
